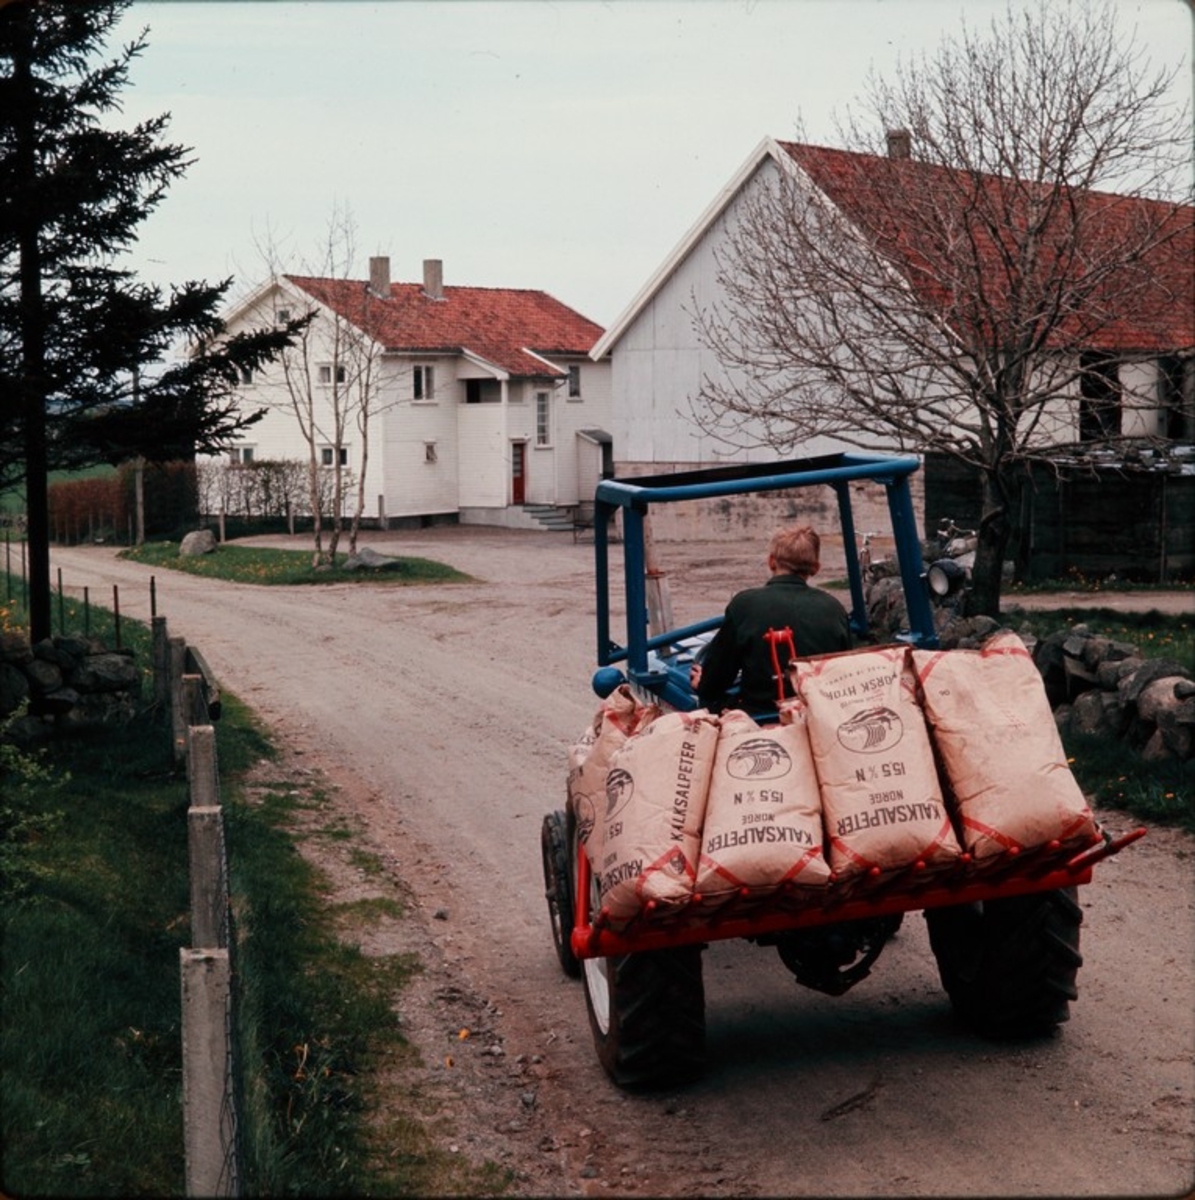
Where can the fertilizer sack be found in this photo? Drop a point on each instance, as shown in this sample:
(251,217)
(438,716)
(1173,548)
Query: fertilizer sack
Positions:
(650,835)
(991,722)
(619,717)
(882,802)
(763,817)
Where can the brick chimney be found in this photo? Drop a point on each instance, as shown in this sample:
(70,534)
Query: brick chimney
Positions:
(433,278)
(379,277)
(900,143)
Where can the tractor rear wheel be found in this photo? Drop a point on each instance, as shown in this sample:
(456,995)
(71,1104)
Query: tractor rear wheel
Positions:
(556,845)
(1009,966)
(647,1014)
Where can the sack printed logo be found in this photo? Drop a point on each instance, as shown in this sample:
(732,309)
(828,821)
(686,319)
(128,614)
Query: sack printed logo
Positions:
(619,789)
(583,811)
(759,758)
(871,731)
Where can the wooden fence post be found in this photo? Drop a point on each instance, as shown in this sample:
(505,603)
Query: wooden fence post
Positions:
(161,653)
(209,1120)
(194,708)
(205,843)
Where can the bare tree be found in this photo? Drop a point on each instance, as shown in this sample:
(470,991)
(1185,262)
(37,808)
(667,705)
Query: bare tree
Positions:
(956,299)
(330,384)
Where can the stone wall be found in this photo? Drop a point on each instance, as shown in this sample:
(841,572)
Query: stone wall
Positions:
(1096,686)
(68,683)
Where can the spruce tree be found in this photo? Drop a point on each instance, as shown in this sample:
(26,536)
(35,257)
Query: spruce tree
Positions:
(83,374)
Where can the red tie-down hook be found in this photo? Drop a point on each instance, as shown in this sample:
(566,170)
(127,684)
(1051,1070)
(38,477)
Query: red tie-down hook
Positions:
(775,639)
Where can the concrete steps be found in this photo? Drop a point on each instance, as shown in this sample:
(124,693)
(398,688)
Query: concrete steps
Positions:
(554,517)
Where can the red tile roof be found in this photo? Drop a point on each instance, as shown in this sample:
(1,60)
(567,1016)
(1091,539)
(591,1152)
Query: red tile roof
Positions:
(1153,310)
(508,327)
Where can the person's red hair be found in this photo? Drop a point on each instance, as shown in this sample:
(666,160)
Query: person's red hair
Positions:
(797,550)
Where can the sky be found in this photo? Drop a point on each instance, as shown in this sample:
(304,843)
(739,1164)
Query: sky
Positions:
(564,145)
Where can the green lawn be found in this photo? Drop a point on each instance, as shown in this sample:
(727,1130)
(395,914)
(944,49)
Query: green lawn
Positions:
(265,565)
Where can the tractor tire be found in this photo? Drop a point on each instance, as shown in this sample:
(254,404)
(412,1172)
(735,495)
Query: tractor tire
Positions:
(559,887)
(1009,966)
(647,1014)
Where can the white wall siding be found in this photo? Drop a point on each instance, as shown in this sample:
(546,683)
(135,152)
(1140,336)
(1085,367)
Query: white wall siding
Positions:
(659,363)
(483,454)
(414,486)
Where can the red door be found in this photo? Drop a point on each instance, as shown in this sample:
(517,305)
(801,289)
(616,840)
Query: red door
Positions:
(518,472)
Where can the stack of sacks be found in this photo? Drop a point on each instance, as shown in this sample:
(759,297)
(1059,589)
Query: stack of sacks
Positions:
(1000,750)
(882,803)
(620,717)
(763,821)
(688,803)
(656,791)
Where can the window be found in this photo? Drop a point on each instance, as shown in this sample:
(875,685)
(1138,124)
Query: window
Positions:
(1176,398)
(282,316)
(246,375)
(543,412)
(240,454)
(329,455)
(325,373)
(425,383)
(1099,397)
(429,452)
(574,382)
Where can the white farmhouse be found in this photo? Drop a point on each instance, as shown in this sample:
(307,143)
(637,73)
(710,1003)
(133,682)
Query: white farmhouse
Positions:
(486,405)
(1144,359)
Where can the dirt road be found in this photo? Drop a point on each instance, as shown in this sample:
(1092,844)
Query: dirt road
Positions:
(443,715)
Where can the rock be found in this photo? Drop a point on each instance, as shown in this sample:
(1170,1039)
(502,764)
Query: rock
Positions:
(47,651)
(1158,697)
(110,672)
(1078,677)
(1178,737)
(14,688)
(44,677)
(1131,686)
(59,702)
(1097,650)
(1095,714)
(1111,673)
(15,648)
(1156,749)
(197,543)
(369,560)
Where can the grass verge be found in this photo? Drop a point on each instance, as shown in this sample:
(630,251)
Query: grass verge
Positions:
(267,565)
(95,911)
